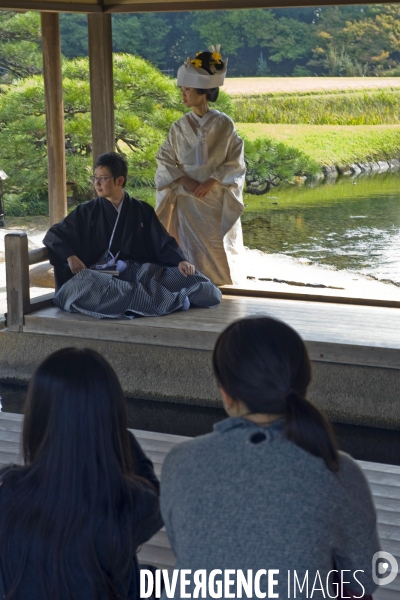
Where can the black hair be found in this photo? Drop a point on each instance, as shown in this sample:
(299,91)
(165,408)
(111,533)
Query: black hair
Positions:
(115,162)
(78,476)
(264,363)
(211,94)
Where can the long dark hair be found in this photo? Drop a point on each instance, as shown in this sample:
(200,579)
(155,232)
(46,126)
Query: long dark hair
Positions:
(78,476)
(264,363)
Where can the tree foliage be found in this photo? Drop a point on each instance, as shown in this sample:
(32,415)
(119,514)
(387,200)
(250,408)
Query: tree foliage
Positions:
(366,43)
(74,35)
(333,40)
(20,49)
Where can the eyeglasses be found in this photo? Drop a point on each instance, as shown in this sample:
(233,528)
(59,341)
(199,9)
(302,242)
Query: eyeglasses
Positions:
(101,179)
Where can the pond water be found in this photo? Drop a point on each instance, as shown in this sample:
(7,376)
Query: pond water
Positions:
(351,225)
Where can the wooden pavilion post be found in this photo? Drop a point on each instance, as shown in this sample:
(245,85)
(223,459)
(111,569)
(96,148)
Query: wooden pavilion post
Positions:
(54,116)
(101,83)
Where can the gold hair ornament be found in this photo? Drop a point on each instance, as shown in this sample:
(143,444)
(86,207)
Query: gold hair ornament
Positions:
(197,63)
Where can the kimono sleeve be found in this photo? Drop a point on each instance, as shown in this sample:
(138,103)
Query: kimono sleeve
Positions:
(165,247)
(357,536)
(63,238)
(167,169)
(231,173)
(167,175)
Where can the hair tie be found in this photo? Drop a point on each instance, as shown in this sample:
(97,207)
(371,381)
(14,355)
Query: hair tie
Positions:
(291,395)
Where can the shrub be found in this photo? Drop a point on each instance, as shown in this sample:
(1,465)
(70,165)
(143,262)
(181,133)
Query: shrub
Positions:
(269,163)
(27,204)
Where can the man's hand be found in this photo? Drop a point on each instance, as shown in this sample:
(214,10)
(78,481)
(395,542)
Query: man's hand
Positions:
(75,264)
(186,268)
(188,183)
(203,188)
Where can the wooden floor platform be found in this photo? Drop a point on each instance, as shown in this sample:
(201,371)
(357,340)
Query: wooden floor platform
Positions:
(352,334)
(384,481)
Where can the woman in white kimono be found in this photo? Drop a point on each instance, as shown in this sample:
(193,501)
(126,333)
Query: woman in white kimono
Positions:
(201,173)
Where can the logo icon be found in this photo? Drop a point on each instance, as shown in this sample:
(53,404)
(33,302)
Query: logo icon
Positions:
(384,568)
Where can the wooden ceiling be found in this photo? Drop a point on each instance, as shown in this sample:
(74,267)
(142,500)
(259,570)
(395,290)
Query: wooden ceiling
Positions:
(114,6)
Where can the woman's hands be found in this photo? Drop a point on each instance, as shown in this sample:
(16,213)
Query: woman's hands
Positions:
(188,183)
(75,264)
(198,189)
(186,268)
(205,187)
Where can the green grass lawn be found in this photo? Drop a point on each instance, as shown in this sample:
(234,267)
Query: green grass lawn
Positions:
(319,108)
(332,144)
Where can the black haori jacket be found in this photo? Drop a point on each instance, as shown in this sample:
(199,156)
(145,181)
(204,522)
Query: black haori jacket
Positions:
(86,233)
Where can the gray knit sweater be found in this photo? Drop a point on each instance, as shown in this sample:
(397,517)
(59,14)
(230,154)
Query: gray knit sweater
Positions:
(244,497)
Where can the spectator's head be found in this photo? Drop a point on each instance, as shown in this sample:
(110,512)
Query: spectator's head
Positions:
(262,365)
(75,406)
(115,163)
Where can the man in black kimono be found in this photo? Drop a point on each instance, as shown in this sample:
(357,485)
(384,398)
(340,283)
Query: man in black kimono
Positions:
(119,234)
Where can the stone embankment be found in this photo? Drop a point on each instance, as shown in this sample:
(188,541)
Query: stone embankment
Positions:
(355,169)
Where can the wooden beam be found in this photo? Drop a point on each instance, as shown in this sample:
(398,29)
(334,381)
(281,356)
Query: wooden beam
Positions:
(134,6)
(101,84)
(38,255)
(17,279)
(144,6)
(43,6)
(57,187)
(308,297)
(41,302)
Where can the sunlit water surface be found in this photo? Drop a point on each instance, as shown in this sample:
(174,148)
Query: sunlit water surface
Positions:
(352,225)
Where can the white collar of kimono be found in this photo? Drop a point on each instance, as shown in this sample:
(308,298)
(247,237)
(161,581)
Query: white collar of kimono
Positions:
(118,209)
(201,147)
(112,262)
(204,120)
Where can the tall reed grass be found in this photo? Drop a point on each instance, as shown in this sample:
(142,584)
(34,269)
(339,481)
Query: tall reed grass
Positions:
(369,107)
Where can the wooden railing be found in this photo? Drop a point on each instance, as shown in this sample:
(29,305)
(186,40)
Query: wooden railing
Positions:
(18,258)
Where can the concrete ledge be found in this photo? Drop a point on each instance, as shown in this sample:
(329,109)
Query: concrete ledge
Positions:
(347,393)
(358,395)
(145,371)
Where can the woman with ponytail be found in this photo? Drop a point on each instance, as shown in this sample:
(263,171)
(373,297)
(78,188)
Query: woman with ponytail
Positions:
(72,518)
(268,489)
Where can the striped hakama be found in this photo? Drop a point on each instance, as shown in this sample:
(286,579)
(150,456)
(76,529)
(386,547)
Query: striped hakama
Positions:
(146,290)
